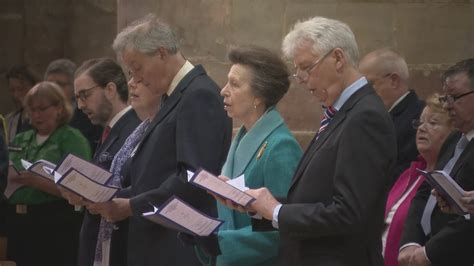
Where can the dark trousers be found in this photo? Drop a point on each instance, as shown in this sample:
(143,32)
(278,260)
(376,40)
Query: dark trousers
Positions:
(47,234)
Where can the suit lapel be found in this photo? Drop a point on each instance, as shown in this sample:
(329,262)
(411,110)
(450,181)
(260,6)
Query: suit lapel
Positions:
(113,136)
(462,159)
(337,120)
(171,102)
(401,106)
(251,143)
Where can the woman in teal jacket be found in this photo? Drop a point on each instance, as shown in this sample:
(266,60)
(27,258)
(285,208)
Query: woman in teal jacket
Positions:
(42,228)
(264,150)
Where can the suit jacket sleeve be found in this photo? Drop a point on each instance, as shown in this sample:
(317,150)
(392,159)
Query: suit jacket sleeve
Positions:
(412,230)
(363,155)
(201,141)
(455,240)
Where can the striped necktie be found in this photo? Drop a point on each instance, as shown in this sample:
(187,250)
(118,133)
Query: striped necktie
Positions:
(327,117)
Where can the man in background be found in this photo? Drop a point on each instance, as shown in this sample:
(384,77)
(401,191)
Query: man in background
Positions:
(388,73)
(20,80)
(61,72)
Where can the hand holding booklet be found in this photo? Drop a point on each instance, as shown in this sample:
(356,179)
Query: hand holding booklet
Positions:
(41,167)
(86,187)
(178,215)
(213,184)
(87,168)
(447,188)
(84,179)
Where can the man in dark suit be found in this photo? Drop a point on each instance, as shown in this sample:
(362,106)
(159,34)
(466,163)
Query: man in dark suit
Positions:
(191,130)
(388,73)
(61,72)
(431,237)
(101,91)
(333,214)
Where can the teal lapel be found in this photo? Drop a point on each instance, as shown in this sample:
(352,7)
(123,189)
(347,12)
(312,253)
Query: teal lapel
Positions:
(245,146)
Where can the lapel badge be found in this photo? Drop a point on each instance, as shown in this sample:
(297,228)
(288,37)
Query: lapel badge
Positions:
(262,150)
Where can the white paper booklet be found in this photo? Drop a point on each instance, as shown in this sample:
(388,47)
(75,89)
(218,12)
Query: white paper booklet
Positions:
(178,215)
(85,167)
(447,187)
(86,187)
(234,191)
(41,167)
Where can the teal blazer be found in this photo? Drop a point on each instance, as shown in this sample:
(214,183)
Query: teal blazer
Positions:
(267,155)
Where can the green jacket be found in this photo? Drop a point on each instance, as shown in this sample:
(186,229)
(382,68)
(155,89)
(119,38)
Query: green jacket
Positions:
(267,155)
(62,141)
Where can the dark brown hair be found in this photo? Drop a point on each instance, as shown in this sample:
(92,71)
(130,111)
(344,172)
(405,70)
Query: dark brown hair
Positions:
(270,76)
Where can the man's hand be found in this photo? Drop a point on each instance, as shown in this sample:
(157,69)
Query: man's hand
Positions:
(468,201)
(405,255)
(264,202)
(115,210)
(418,258)
(442,203)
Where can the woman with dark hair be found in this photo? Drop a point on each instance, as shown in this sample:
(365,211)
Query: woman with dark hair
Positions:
(263,150)
(42,228)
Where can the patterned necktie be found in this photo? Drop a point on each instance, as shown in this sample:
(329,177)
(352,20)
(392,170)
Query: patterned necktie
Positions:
(327,117)
(431,203)
(106,228)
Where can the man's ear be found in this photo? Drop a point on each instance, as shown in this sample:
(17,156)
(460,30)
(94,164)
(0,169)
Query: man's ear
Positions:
(110,91)
(340,58)
(394,80)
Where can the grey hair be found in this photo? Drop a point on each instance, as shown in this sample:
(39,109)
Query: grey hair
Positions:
(325,34)
(146,36)
(389,61)
(61,66)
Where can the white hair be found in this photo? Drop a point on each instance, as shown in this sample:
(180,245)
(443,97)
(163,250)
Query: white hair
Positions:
(387,60)
(146,36)
(325,34)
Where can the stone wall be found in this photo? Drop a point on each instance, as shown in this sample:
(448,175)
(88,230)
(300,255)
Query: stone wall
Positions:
(35,32)
(430,34)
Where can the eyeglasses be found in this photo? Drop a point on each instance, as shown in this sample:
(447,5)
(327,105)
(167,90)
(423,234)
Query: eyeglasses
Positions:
(39,109)
(304,73)
(84,94)
(416,123)
(450,99)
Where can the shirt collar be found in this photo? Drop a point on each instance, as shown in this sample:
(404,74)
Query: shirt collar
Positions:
(347,92)
(398,101)
(118,116)
(470,135)
(183,71)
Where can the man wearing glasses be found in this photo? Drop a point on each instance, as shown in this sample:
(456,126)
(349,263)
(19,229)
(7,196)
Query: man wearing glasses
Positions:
(101,92)
(61,72)
(333,214)
(430,236)
(388,73)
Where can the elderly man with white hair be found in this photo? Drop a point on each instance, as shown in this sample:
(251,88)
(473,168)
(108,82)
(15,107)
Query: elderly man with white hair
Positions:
(191,130)
(333,213)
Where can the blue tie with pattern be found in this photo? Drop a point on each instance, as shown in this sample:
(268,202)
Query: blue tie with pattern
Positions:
(327,117)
